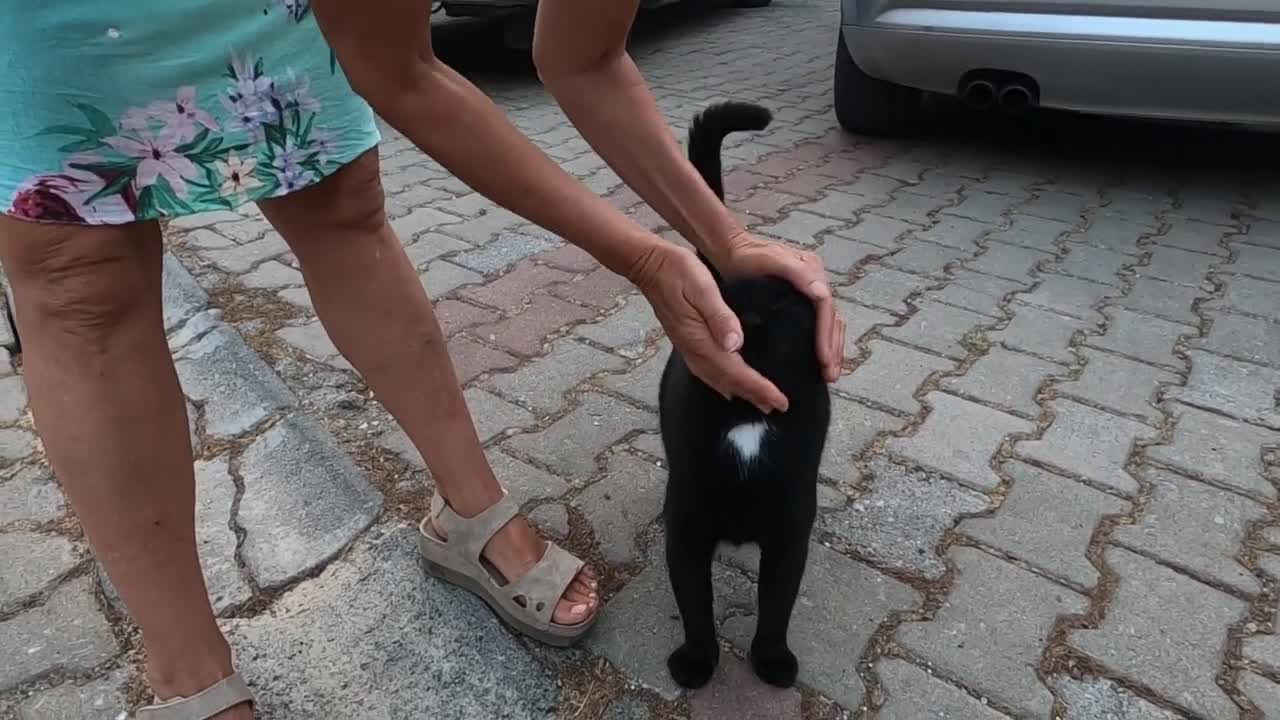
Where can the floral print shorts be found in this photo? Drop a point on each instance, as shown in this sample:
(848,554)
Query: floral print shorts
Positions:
(116,112)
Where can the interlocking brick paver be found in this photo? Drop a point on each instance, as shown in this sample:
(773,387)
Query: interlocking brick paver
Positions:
(913,694)
(1161,299)
(215,538)
(31,495)
(1234,388)
(835,205)
(1249,296)
(542,384)
(1256,261)
(1053,205)
(443,277)
(1092,698)
(876,230)
(1264,693)
(66,632)
(1093,263)
(1067,296)
(1007,380)
(958,439)
(992,630)
(800,227)
(32,562)
(1088,443)
(913,208)
(1046,521)
(626,331)
(1191,525)
(943,329)
(1166,631)
(886,288)
(1141,337)
(238,391)
(1113,233)
(899,522)
(622,503)
(1031,232)
(1009,261)
(852,429)
(985,207)
(1178,266)
(1123,386)
(526,332)
(1242,337)
(954,232)
(891,375)
(924,258)
(571,444)
(841,256)
(1193,235)
(103,699)
(1218,449)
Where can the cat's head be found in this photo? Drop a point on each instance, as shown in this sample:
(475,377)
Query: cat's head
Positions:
(778,326)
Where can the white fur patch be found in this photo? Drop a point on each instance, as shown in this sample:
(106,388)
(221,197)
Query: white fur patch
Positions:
(748,440)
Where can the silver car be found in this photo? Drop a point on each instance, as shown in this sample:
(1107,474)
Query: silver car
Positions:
(1197,60)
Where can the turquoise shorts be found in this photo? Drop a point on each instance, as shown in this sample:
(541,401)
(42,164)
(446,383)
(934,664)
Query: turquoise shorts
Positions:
(115,112)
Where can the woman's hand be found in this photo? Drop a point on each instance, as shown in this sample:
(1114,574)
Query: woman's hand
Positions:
(701,326)
(748,255)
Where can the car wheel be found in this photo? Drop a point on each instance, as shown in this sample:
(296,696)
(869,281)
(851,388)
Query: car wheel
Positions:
(870,106)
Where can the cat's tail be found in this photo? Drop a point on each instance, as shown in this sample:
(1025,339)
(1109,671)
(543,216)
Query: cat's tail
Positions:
(708,131)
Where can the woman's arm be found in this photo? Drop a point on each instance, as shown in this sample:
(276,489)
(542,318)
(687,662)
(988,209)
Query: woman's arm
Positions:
(579,47)
(384,47)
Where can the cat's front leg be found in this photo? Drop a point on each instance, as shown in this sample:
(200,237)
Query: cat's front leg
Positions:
(782,563)
(689,558)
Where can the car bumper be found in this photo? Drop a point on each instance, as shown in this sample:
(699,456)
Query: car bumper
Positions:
(1193,70)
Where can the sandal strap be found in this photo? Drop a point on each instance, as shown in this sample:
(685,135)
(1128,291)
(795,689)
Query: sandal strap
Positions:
(545,583)
(468,536)
(222,695)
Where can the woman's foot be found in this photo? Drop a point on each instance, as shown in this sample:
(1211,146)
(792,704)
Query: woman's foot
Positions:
(516,548)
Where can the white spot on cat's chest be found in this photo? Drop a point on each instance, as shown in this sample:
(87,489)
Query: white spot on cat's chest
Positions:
(747,440)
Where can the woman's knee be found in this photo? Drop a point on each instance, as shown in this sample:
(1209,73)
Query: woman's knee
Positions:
(348,204)
(79,280)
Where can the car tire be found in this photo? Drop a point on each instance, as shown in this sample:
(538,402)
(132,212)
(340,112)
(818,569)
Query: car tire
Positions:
(870,106)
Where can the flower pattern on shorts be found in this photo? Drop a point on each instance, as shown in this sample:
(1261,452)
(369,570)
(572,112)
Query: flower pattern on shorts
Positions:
(172,156)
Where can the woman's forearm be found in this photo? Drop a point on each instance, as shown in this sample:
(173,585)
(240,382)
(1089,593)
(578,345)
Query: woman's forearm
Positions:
(613,108)
(452,121)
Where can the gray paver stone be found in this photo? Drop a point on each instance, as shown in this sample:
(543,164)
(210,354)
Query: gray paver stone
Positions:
(953,232)
(1039,332)
(1161,299)
(1092,263)
(841,605)
(1007,380)
(216,541)
(303,502)
(1166,631)
(494,416)
(891,376)
(542,383)
(67,632)
(885,288)
(1196,236)
(833,204)
(1194,526)
(621,504)
(16,444)
(1238,389)
(313,340)
(1067,295)
(238,390)
(985,207)
(1047,522)
(1257,261)
(1141,337)
(1114,233)
(625,331)
(859,321)
(641,383)
(1032,232)
(643,625)
(1118,384)
(736,692)
(1242,337)
(1178,266)
(1250,296)
(1100,699)
(852,429)
(32,561)
(1009,261)
(1054,205)
(1218,449)
(942,329)
(899,522)
(553,519)
(800,227)
(913,694)
(505,250)
(840,255)
(443,277)
(958,439)
(182,295)
(372,637)
(914,208)
(571,444)
(924,258)
(242,258)
(13,399)
(1088,443)
(525,482)
(197,327)
(31,495)
(273,275)
(876,230)
(100,699)
(1262,692)
(1264,650)
(992,629)
(630,706)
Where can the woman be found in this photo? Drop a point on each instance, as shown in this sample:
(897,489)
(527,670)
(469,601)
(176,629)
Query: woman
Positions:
(183,106)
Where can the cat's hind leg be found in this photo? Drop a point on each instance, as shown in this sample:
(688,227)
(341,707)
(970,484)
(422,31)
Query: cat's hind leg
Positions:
(782,563)
(689,556)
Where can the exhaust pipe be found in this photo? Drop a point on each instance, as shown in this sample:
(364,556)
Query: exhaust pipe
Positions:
(979,94)
(1015,97)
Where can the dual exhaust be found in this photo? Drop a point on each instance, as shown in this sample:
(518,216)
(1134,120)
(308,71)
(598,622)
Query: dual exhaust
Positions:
(1012,96)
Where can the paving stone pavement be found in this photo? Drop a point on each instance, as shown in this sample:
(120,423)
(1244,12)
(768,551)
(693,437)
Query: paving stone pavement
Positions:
(1050,484)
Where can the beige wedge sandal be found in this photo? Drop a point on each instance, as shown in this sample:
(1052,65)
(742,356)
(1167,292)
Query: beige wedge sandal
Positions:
(219,697)
(525,604)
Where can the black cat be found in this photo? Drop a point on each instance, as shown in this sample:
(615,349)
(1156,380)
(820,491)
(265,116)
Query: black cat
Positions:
(737,475)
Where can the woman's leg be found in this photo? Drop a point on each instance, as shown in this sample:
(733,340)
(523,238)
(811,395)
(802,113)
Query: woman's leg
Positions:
(110,411)
(373,306)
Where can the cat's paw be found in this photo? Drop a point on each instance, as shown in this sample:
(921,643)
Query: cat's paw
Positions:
(778,666)
(691,670)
